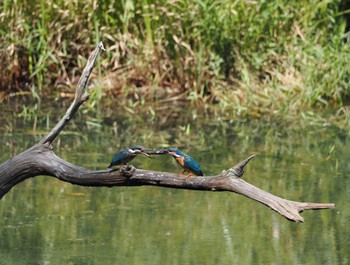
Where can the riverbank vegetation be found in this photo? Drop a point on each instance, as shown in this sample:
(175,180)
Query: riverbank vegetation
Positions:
(228,58)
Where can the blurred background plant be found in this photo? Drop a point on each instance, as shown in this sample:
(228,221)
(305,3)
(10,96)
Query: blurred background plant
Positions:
(227,58)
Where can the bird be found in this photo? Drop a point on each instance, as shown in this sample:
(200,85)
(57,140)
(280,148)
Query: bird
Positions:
(124,156)
(185,161)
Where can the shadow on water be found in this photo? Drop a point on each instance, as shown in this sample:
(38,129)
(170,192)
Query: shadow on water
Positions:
(45,221)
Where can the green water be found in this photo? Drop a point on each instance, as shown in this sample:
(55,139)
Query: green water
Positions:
(45,221)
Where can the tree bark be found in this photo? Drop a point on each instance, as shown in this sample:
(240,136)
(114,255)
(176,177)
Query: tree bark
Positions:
(41,160)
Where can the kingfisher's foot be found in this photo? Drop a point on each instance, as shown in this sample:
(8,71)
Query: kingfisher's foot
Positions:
(180,174)
(187,177)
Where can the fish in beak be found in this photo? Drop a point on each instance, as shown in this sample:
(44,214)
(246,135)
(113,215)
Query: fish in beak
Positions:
(162,152)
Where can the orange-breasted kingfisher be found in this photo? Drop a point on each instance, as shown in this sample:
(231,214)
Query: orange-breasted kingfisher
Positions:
(125,156)
(185,161)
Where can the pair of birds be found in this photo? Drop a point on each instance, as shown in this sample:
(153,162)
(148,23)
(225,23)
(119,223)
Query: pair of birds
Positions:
(185,161)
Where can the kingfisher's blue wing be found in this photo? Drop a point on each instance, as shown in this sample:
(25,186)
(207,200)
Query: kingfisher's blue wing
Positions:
(192,165)
(119,158)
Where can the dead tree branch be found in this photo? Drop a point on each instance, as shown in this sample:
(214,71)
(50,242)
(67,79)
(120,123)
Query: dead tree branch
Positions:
(80,97)
(41,160)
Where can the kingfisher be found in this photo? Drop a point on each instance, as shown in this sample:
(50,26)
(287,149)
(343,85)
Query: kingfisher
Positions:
(184,160)
(125,156)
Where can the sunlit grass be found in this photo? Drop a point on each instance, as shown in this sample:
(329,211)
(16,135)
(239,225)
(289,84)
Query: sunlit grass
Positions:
(234,58)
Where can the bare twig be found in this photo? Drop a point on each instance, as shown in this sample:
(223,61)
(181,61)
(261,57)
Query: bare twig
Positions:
(80,97)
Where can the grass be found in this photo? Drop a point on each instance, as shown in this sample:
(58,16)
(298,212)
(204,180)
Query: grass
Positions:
(230,58)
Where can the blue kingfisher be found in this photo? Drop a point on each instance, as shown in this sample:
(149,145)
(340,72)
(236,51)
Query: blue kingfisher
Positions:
(125,156)
(184,160)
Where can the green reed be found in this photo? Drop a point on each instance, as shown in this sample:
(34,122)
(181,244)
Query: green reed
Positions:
(254,58)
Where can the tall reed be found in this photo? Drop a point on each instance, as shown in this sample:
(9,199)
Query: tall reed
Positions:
(236,57)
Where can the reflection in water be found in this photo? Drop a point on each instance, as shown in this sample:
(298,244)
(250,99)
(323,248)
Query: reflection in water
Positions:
(45,221)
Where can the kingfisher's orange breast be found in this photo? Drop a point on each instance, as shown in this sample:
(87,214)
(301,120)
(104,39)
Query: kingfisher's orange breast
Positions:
(180,160)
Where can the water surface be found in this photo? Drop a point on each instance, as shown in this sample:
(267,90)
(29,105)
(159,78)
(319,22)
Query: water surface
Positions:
(46,221)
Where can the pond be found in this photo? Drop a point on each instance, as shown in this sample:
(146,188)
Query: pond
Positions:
(45,221)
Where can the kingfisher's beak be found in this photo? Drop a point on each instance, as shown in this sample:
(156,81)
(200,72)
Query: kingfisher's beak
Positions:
(144,153)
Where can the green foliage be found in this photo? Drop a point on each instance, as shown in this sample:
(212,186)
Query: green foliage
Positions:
(252,57)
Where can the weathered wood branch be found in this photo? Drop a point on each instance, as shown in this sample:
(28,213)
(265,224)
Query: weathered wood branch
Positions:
(41,160)
(80,97)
